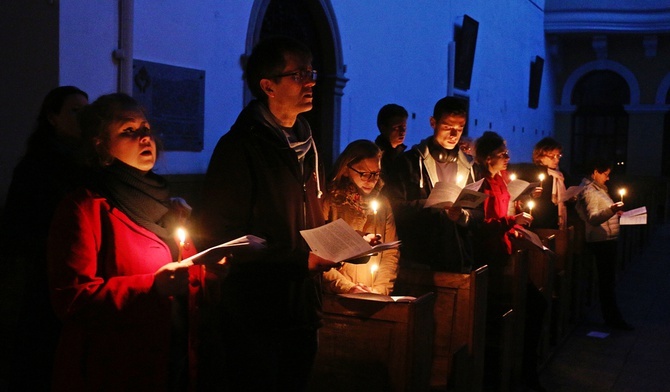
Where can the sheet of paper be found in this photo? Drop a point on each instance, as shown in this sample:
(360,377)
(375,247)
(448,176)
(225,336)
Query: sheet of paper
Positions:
(445,195)
(637,216)
(519,187)
(571,192)
(337,241)
(237,247)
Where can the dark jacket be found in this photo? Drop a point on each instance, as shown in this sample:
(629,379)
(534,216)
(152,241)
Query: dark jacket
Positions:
(428,236)
(255,185)
(389,154)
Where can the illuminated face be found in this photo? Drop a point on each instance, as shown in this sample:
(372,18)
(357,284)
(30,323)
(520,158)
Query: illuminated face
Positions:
(65,122)
(364,174)
(130,141)
(551,159)
(395,130)
(498,160)
(288,97)
(447,130)
(601,178)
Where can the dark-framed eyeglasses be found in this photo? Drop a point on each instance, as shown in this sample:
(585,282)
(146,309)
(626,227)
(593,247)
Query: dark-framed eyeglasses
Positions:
(300,75)
(367,176)
(554,156)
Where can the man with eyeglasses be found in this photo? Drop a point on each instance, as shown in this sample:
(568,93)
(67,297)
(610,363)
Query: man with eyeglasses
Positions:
(264,179)
(392,125)
(436,238)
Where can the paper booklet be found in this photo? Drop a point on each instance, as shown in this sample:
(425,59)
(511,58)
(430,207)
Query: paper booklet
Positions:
(530,239)
(339,242)
(379,297)
(637,216)
(241,246)
(518,188)
(571,192)
(446,195)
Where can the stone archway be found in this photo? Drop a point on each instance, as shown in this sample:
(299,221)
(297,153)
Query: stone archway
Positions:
(313,22)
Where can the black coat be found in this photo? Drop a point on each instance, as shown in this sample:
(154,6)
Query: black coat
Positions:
(255,185)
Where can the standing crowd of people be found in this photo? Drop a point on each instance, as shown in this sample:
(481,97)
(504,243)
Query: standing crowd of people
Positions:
(111,299)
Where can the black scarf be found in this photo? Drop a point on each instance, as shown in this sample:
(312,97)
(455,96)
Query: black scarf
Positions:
(144,197)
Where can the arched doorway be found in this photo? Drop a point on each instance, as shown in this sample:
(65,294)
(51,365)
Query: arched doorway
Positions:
(312,22)
(665,161)
(600,123)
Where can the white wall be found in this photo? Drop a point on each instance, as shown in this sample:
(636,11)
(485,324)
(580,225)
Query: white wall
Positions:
(395,51)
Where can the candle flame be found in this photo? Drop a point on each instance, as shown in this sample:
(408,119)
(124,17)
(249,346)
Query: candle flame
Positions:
(459,178)
(530,204)
(375,205)
(541,176)
(512,177)
(373,268)
(181,233)
(622,191)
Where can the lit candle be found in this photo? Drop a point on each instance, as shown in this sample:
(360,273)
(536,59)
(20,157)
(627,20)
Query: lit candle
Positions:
(530,205)
(512,177)
(541,177)
(459,178)
(181,233)
(622,192)
(373,269)
(375,205)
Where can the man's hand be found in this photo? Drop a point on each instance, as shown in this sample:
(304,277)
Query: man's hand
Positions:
(319,264)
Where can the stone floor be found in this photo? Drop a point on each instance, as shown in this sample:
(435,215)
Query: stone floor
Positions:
(595,358)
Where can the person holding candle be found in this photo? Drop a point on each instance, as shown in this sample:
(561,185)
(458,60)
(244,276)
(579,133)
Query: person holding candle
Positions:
(49,169)
(434,238)
(353,195)
(601,216)
(550,211)
(494,241)
(113,277)
(264,179)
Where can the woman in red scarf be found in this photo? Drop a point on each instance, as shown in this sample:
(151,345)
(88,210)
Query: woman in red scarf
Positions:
(495,245)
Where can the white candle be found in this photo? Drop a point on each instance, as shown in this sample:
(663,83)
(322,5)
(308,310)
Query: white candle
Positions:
(373,269)
(181,233)
(375,205)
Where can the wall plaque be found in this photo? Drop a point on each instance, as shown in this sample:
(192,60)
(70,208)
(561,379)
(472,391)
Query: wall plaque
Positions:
(174,98)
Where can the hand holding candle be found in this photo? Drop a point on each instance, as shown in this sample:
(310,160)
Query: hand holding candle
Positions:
(181,233)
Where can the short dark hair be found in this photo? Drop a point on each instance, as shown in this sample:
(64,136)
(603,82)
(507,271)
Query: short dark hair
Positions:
(486,144)
(600,164)
(268,58)
(544,146)
(387,112)
(95,119)
(450,106)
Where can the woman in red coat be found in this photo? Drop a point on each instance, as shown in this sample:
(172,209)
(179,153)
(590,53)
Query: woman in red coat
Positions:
(115,279)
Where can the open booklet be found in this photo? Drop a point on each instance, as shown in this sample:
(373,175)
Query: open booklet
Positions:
(379,297)
(517,188)
(529,240)
(239,247)
(339,242)
(445,195)
(571,192)
(637,216)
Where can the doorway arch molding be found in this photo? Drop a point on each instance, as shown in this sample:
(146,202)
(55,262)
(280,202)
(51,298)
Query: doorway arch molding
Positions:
(600,65)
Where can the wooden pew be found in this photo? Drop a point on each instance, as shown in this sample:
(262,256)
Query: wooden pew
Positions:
(460,320)
(368,345)
(541,271)
(562,243)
